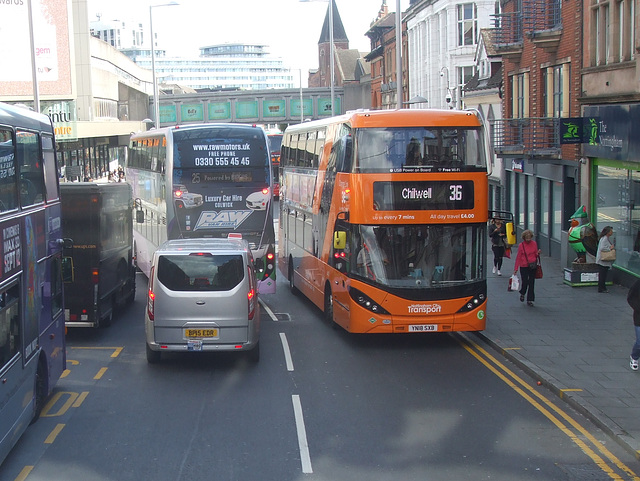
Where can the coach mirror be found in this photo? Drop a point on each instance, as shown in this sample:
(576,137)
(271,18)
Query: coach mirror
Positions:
(139,211)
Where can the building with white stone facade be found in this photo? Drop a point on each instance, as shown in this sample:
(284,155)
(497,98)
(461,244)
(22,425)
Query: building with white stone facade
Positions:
(442,37)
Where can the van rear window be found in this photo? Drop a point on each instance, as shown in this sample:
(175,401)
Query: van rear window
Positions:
(200,273)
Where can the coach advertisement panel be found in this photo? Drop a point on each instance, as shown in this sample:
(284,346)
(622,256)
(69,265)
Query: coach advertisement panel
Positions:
(221,185)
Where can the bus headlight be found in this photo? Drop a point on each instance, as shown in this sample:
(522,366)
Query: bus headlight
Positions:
(365,301)
(473,303)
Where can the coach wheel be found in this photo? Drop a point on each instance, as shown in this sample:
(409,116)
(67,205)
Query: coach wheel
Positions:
(135,257)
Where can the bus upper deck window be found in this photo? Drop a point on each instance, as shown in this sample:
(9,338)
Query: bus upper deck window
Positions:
(8,191)
(31,173)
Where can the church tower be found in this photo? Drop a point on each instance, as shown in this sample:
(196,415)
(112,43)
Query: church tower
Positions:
(322,78)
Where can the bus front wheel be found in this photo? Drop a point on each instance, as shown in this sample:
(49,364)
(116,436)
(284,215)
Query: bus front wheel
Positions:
(328,306)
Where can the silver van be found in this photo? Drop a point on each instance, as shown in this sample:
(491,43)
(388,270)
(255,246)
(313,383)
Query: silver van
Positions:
(202,297)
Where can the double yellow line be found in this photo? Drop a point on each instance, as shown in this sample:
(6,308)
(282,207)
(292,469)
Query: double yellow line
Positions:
(600,455)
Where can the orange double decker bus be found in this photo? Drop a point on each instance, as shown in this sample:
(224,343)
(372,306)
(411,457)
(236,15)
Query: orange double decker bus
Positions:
(383,219)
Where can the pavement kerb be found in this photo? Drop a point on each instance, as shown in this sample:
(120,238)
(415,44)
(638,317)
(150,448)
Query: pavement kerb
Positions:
(573,399)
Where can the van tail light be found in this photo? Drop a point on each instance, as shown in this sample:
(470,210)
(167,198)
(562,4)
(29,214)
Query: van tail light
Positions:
(151,297)
(95,277)
(251,298)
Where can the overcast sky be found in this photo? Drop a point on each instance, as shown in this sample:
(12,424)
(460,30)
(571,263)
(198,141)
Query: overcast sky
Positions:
(289,27)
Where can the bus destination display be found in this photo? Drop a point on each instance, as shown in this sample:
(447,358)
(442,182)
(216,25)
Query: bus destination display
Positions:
(423,195)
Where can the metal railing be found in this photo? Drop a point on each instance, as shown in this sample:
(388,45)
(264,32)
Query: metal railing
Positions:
(545,15)
(532,136)
(507,28)
(535,16)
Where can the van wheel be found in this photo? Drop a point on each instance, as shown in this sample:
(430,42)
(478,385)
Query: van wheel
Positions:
(294,290)
(254,354)
(153,357)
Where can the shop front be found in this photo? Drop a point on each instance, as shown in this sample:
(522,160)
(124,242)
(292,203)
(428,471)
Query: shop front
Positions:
(613,150)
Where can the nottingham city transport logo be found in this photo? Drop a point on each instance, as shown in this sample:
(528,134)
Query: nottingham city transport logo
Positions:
(226,219)
(425,309)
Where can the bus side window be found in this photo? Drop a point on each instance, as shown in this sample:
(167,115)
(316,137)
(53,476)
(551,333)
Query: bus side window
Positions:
(31,174)
(8,190)
(9,324)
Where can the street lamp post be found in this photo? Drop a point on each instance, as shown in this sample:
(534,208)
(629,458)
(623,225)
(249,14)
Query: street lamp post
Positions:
(399,54)
(156,100)
(331,56)
(301,100)
(449,98)
(34,67)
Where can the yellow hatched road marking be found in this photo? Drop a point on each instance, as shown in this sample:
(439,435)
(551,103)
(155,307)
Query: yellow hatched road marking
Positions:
(70,398)
(24,473)
(100,373)
(116,350)
(81,398)
(52,437)
(493,364)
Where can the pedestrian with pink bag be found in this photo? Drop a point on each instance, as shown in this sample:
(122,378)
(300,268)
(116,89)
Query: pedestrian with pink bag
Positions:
(527,260)
(605,256)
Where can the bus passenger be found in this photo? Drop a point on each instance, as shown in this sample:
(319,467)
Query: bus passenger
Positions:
(414,156)
(363,262)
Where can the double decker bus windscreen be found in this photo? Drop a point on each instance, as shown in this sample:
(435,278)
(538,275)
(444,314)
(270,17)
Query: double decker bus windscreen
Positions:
(417,256)
(221,182)
(419,149)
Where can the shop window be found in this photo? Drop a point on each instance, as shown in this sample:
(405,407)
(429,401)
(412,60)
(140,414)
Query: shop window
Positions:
(556,209)
(545,200)
(617,203)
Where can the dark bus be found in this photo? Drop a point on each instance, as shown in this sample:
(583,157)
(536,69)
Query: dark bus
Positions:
(98,269)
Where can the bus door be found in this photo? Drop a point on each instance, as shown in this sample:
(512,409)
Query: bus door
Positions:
(13,389)
(340,259)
